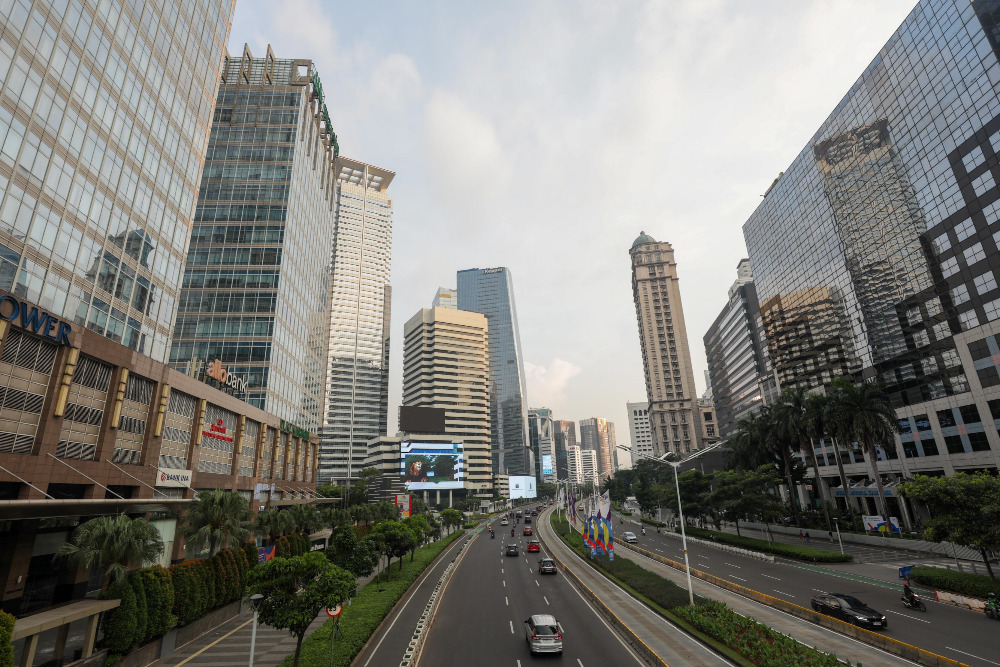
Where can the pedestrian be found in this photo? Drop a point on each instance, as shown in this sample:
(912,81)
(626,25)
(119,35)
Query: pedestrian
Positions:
(807,537)
(801,536)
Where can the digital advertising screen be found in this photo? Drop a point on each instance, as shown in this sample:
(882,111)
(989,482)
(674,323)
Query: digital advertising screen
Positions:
(522,487)
(432,465)
(546,464)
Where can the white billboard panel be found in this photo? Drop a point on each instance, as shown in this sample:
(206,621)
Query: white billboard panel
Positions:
(522,487)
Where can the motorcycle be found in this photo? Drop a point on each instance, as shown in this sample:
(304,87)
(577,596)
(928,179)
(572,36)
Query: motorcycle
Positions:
(915,603)
(492,535)
(992,607)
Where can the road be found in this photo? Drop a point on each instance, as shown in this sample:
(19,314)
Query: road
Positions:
(950,631)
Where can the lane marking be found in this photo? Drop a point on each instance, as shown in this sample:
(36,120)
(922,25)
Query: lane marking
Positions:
(511,627)
(518,663)
(530,571)
(783,593)
(195,655)
(546,599)
(973,656)
(537,584)
(506,601)
(505,583)
(736,566)
(740,578)
(770,577)
(912,618)
(578,662)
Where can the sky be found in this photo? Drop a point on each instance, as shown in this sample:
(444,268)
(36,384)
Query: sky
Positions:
(544,136)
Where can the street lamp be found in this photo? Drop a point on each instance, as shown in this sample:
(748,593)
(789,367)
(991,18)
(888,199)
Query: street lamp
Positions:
(254,600)
(836,522)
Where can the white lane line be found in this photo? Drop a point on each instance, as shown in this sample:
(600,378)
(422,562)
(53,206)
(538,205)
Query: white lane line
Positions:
(740,578)
(518,663)
(506,601)
(698,555)
(511,627)
(736,566)
(912,618)
(546,599)
(770,577)
(505,583)
(578,662)
(530,571)
(783,593)
(972,656)
(537,584)
(819,590)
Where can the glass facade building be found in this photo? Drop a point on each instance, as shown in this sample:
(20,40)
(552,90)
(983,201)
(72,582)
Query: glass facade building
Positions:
(542,444)
(598,435)
(104,116)
(491,292)
(357,364)
(563,437)
(254,301)
(875,254)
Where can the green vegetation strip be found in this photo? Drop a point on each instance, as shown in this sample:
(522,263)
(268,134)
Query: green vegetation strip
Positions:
(963,583)
(735,636)
(787,550)
(360,620)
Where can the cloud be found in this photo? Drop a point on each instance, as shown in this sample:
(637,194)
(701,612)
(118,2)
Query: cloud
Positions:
(547,384)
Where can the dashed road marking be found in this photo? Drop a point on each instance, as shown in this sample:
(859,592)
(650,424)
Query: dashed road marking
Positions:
(783,593)
(770,577)
(511,627)
(736,566)
(546,599)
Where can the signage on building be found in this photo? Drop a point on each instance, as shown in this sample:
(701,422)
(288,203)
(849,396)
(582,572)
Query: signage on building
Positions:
(403,502)
(37,321)
(862,492)
(173,477)
(215,370)
(289,427)
(498,269)
(218,431)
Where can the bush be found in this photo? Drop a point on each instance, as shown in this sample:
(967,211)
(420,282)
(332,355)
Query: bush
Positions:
(282,548)
(156,582)
(225,584)
(963,583)
(6,644)
(187,591)
(242,567)
(141,607)
(653,522)
(252,555)
(119,624)
(210,584)
(786,550)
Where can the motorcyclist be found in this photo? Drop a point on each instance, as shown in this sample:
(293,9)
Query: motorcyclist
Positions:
(908,595)
(512,532)
(643,529)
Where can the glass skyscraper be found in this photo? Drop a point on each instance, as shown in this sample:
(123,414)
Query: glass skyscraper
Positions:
(491,292)
(254,298)
(104,117)
(875,254)
(357,370)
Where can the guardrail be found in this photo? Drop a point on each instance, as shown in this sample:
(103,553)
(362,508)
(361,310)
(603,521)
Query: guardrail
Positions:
(887,644)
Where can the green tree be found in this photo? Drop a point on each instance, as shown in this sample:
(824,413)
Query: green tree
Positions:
(358,494)
(386,511)
(451,518)
(418,506)
(964,509)
(330,491)
(113,544)
(695,488)
(335,518)
(6,644)
(296,589)
(801,423)
(119,624)
(273,523)
(360,557)
(418,525)
(217,517)
(748,494)
(396,539)
(362,513)
(305,518)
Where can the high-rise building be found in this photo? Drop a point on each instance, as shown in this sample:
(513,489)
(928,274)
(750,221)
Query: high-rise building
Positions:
(709,427)
(563,437)
(875,253)
(446,365)
(666,358)
(744,275)
(357,360)
(598,435)
(491,292)
(101,149)
(738,364)
(574,465)
(254,300)
(446,298)
(542,443)
(588,468)
(638,428)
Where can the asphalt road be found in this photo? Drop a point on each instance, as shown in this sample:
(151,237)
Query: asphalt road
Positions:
(954,632)
(480,617)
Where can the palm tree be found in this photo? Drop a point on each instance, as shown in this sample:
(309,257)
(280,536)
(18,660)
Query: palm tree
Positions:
(305,518)
(776,441)
(798,420)
(112,543)
(219,517)
(362,513)
(820,423)
(335,518)
(273,522)
(863,414)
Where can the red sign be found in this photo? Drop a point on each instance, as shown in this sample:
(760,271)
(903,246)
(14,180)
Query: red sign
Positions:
(218,431)
(333,612)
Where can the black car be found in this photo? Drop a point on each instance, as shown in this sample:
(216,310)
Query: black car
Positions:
(848,608)
(527,520)
(546,566)
(512,550)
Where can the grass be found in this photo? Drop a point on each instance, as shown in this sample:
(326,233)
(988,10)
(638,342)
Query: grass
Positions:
(360,620)
(778,549)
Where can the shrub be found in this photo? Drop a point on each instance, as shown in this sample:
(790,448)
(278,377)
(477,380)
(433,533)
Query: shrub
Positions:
(786,550)
(963,583)
(242,567)
(187,591)
(252,555)
(159,601)
(282,548)
(141,607)
(210,584)
(223,580)
(6,644)
(652,522)
(119,624)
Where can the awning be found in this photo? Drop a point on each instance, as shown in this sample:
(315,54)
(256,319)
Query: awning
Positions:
(45,508)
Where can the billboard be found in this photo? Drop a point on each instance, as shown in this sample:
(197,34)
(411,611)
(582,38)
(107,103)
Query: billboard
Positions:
(522,487)
(413,419)
(546,464)
(403,502)
(432,465)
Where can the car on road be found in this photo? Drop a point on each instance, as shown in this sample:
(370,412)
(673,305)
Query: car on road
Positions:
(547,566)
(534,545)
(544,634)
(848,608)
(503,522)
(527,530)
(630,537)
(513,550)
(527,520)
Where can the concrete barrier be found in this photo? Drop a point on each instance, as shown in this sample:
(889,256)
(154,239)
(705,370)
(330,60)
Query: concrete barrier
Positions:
(960,600)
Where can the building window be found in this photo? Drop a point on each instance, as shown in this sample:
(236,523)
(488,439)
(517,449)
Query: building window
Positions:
(985,283)
(954,444)
(970,414)
(929,447)
(979,442)
(974,253)
(949,267)
(959,294)
(969,320)
(946,418)
(965,230)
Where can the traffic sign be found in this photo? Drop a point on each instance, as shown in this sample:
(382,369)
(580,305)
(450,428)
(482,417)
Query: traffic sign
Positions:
(333,612)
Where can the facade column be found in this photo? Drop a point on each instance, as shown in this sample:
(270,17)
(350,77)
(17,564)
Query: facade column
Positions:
(90,636)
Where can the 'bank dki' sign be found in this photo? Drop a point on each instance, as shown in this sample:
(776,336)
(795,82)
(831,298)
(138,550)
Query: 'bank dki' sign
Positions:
(37,321)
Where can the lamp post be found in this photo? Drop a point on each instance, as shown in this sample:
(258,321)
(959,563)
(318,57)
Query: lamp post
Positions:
(836,522)
(254,599)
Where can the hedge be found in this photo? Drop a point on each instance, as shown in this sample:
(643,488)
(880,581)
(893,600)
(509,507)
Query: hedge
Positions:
(252,555)
(159,601)
(776,548)
(141,608)
(119,624)
(963,583)
(754,641)
(6,643)
(361,618)
(653,522)
(282,548)
(188,593)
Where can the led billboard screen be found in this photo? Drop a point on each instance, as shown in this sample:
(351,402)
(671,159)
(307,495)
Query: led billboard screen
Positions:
(432,465)
(522,487)
(546,464)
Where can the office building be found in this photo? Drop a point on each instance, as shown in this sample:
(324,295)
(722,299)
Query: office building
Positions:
(357,360)
(738,364)
(491,292)
(709,430)
(446,365)
(638,429)
(598,436)
(589,473)
(102,139)
(446,298)
(254,297)
(875,253)
(563,437)
(542,444)
(666,358)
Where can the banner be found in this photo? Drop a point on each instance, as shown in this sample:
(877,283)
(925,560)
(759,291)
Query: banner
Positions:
(876,523)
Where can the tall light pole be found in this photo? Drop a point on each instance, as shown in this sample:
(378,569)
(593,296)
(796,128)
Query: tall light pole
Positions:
(254,600)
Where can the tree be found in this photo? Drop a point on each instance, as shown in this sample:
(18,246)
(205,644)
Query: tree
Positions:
(358,494)
(296,589)
(359,557)
(800,416)
(362,513)
(386,511)
(113,544)
(417,505)
(330,491)
(964,509)
(421,530)
(335,518)
(305,518)
(217,517)
(273,523)
(695,488)
(396,540)
(451,518)
(747,494)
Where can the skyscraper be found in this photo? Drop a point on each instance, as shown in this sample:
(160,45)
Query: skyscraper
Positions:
(542,443)
(598,435)
(491,292)
(638,426)
(446,365)
(588,468)
(563,437)
(254,297)
(666,357)
(357,361)
(446,298)
(102,142)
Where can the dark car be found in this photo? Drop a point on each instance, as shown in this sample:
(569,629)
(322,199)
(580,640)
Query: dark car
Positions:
(534,545)
(527,520)
(512,550)
(848,608)
(527,530)
(546,566)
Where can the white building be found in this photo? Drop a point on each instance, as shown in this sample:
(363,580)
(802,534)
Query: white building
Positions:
(638,426)
(589,473)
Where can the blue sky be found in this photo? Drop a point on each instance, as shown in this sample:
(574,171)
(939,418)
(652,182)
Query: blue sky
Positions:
(543,136)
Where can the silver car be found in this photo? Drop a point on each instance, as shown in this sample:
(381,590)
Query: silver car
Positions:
(544,634)
(630,537)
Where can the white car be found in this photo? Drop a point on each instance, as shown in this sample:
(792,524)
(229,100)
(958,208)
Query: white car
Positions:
(503,522)
(630,537)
